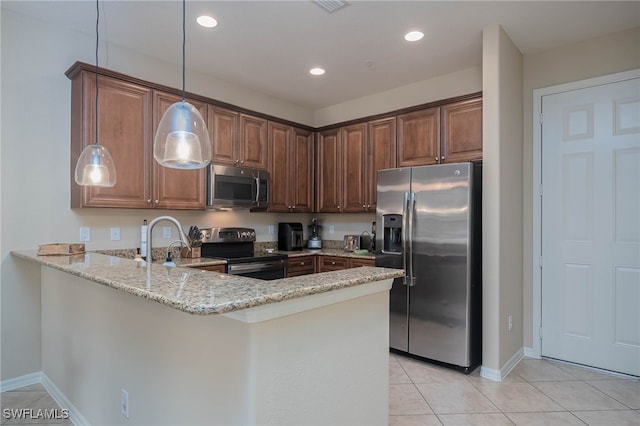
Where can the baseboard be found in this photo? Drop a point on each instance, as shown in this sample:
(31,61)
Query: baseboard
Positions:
(499,375)
(74,414)
(22,381)
(531,353)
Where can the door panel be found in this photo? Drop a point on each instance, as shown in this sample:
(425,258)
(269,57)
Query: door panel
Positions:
(590,226)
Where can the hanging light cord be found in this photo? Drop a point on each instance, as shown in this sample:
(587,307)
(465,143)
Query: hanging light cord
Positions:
(184,37)
(97,27)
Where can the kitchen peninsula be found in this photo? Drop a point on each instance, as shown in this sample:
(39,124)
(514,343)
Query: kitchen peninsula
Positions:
(195,347)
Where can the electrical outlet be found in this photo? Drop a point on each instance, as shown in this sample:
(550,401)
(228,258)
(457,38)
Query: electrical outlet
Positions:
(332,229)
(124,397)
(166,232)
(115,234)
(271,231)
(85,233)
(510,323)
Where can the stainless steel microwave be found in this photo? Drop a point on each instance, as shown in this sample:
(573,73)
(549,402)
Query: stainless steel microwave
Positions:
(235,187)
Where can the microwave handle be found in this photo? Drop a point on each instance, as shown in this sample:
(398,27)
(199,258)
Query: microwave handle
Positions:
(257,189)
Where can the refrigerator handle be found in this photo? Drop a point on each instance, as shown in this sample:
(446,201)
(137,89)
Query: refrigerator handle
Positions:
(412,209)
(405,245)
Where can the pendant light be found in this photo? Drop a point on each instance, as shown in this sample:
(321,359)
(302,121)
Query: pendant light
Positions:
(95,166)
(182,139)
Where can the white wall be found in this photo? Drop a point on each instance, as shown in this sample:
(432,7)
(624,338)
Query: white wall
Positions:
(591,58)
(502,198)
(447,86)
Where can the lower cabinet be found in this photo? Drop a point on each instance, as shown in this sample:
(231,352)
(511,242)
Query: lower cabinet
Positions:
(356,263)
(336,263)
(303,265)
(213,268)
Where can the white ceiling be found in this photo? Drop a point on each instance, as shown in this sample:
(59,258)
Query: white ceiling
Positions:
(269,46)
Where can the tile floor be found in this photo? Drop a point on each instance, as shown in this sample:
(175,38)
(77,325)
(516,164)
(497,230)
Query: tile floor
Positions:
(536,392)
(36,400)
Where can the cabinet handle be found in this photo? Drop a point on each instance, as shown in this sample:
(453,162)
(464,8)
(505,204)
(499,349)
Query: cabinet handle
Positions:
(156,202)
(437,158)
(149,201)
(301,263)
(442,158)
(242,162)
(333,263)
(368,206)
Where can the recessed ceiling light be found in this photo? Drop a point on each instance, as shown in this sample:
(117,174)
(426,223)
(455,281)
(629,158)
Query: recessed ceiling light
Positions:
(207,21)
(316,71)
(413,36)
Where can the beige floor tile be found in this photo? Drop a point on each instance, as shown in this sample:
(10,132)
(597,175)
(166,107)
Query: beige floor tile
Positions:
(475,378)
(545,419)
(517,397)
(584,373)
(44,411)
(20,399)
(609,418)
(397,374)
(624,391)
(424,372)
(575,396)
(541,370)
(415,420)
(405,399)
(37,387)
(455,398)
(493,419)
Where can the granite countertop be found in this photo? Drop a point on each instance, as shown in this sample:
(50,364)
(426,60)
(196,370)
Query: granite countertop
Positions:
(201,292)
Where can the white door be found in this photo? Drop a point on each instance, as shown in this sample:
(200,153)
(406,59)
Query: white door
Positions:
(591,226)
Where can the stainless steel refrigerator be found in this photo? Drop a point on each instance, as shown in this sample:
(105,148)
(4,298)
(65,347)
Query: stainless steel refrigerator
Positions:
(429,223)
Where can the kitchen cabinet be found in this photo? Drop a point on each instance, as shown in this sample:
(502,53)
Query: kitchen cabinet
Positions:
(237,139)
(419,138)
(332,263)
(173,188)
(302,265)
(356,263)
(461,131)
(381,154)
(290,169)
(329,171)
(213,268)
(128,115)
(354,159)
(447,134)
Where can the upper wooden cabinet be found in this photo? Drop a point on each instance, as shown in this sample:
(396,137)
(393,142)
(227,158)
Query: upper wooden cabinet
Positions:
(128,115)
(462,131)
(124,128)
(290,168)
(451,133)
(237,139)
(381,154)
(354,165)
(173,188)
(329,171)
(419,138)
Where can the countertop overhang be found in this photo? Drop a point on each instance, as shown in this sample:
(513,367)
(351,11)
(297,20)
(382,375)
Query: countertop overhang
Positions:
(201,292)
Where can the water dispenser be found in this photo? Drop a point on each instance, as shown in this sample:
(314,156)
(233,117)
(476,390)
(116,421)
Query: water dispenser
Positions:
(392,237)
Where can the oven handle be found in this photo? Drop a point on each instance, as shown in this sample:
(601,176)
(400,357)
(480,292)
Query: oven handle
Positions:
(243,268)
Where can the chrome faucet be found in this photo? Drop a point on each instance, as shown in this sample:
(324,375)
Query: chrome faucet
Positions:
(152,224)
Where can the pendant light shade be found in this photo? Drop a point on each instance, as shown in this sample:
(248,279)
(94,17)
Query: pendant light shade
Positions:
(95,167)
(182,138)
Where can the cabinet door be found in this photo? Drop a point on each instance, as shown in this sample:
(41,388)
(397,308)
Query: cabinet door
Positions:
(124,128)
(253,142)
(223,130)
(419,138)
(332,263)
(303,265)
(381,153)
(280,166)
(301,168)
(173,188)
(329,172)
(356,263)
(462,131)
(354,139)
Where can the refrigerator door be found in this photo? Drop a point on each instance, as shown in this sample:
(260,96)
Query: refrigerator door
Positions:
(393,184)
(439,309)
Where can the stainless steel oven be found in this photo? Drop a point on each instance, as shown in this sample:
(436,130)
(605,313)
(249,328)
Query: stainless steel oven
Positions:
(235,245)
(236,187)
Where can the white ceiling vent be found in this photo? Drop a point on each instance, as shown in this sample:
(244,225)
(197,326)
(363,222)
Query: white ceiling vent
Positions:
(331,5)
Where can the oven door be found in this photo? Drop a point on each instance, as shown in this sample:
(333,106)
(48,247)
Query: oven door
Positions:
(262,270)
(235,187)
